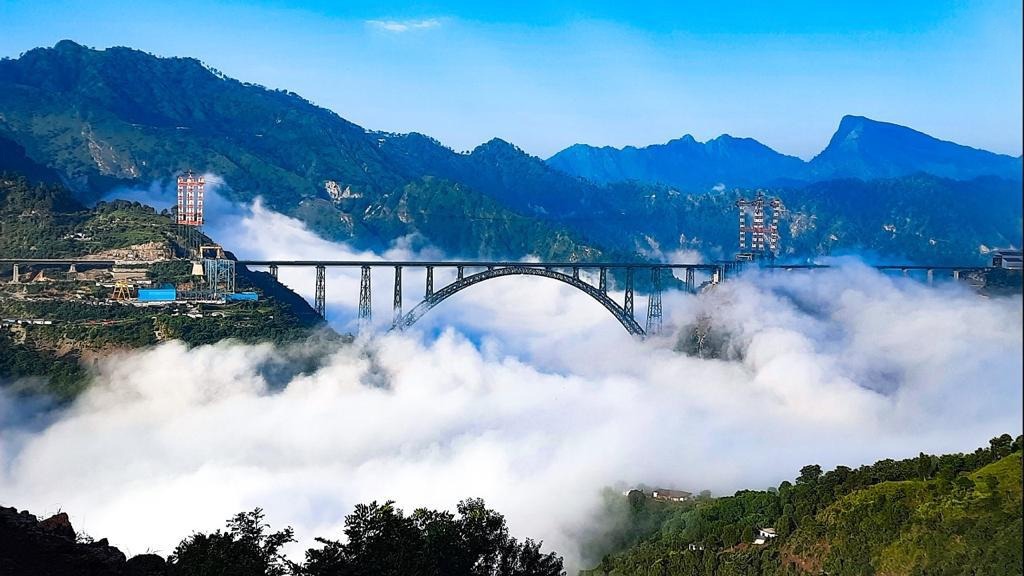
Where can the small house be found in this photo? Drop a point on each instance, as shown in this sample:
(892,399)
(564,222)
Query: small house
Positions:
(764,535)
(670,495)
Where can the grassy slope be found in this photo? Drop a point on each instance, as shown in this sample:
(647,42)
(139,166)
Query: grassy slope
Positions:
(971,525)
(951,523)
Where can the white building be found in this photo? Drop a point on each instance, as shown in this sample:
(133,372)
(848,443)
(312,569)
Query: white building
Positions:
(764,535)
(671,495)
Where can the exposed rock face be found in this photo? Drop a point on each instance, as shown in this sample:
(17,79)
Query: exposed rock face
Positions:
(145,252)
(29,547)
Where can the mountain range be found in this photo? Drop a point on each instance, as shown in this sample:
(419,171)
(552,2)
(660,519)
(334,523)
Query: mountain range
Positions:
(98,120)
(860,148)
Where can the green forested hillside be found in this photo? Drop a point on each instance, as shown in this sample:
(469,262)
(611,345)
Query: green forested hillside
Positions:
(953,514)
(122,117)
(98,119)
(44,221)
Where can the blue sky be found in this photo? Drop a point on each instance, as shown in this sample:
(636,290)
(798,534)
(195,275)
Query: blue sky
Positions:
(545,75)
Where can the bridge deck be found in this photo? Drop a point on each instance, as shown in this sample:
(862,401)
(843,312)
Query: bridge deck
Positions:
(469,264)
(491,263)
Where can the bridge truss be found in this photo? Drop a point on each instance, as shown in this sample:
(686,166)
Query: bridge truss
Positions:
(470,273)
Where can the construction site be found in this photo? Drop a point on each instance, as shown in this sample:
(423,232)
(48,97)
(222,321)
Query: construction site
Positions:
(189,268)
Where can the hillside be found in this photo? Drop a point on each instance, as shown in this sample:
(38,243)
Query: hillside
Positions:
(921,218)
(950,514)
(103,118)
(99,119)
(82,323)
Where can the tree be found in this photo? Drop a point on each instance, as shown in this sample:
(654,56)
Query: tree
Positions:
(637,501)
(809,474)
(1001,446)
(247,548)
(383,541)
(925,466)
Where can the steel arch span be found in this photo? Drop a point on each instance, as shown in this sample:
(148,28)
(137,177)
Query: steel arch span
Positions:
(627,321)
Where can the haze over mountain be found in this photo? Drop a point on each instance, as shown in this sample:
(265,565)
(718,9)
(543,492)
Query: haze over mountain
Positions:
(860,148)
(683,162)
(100,120)
(866,149)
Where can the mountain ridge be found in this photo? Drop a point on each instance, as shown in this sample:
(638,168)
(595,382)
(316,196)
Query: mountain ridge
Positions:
(860,148)
(98,120)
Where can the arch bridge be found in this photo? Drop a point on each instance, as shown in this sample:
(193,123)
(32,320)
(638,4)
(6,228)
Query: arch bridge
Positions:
(469,273)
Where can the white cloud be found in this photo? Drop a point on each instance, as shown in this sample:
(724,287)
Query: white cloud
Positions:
(399,26)
(522,391)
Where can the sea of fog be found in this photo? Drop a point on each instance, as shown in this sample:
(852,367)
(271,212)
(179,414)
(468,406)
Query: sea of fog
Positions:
(520,390)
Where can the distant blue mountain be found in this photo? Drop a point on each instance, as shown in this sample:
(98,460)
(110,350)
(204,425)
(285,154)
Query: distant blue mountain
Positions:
(684,162)
(861,148)
(867,149)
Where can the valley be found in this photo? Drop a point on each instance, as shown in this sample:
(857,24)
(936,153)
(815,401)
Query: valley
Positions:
(250,332)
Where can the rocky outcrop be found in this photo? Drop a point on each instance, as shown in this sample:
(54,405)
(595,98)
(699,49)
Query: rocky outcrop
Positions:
(145,252)
(30,547)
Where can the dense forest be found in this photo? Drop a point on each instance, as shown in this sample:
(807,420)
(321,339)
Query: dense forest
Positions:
(952,514)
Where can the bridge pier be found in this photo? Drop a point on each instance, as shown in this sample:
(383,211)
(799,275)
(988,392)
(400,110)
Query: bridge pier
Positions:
(320,301)
(16,275)
(691,282)
(653,326)
(956,275)
(462,272)
(397,319)
(430,282)
(931,276)
(627,303)
(72,272)
(365,312)
(603,282)
(576,272)
(906,272)
(273,271)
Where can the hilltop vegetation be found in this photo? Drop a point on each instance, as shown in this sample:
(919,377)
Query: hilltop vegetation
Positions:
(952,514)
(380,540)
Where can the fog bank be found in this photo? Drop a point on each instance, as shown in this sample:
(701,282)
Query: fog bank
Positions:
(522,391)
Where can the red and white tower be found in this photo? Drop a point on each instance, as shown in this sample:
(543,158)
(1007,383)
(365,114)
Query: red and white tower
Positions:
(190,199)
(764,240)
